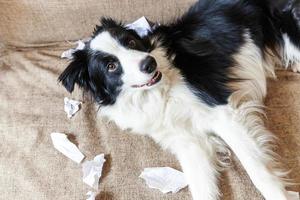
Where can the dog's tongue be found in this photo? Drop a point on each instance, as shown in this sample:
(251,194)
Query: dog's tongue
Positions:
(153,79)
(150,82)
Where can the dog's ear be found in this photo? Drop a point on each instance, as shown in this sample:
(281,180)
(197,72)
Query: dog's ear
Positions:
(76,72)
(106,23)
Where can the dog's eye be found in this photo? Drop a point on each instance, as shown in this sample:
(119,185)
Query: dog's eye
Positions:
(131,44)
(111,67)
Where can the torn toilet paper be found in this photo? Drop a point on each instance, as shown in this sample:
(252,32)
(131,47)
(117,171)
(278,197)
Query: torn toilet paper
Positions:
(91,195)
(62,144)
(71,106)
(141,26)
(69,53)
(92,171)
(166,179)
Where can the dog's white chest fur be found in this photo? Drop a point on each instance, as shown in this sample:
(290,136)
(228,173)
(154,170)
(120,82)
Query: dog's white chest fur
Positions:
(172,107)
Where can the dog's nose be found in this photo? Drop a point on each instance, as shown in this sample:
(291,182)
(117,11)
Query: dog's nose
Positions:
(148,65)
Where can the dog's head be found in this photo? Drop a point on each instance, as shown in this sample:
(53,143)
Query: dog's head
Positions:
(115,59)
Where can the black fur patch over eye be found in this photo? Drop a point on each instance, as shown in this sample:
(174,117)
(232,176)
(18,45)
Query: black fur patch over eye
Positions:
(89,71)
(105,73)
(127,37)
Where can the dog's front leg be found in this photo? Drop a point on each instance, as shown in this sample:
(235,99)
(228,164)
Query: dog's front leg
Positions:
(198,166)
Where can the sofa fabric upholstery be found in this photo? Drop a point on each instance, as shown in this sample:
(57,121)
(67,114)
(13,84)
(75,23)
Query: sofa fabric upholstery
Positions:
(33,34)
(36,22)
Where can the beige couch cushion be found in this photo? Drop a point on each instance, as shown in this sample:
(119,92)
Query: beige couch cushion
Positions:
(36,22)
(31,107)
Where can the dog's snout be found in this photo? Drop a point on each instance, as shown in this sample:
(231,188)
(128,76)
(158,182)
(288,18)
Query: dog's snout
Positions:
(148,65)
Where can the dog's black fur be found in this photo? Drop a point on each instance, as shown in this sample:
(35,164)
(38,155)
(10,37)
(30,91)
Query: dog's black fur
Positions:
(205,38)
(202,43)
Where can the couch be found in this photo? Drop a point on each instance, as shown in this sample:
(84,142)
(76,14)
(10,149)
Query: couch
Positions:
(33,34)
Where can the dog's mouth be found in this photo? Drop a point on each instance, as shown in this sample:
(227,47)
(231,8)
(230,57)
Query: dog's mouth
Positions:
(155,79)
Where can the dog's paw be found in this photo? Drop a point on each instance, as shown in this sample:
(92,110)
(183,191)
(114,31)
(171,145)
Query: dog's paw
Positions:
(296,67)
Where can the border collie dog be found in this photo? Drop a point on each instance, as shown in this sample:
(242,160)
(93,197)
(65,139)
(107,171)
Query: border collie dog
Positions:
(197,85)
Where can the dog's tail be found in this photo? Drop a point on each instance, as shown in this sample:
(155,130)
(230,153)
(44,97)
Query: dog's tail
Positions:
(281,27)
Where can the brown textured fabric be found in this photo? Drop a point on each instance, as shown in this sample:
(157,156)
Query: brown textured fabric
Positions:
(36,22)
(32,107)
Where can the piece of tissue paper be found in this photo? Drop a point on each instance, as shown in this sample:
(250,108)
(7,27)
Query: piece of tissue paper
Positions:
(91,195)
(92,171)
(293,195)
(71,106)
(166,179)
(141,26)
(69,53)
(63,144)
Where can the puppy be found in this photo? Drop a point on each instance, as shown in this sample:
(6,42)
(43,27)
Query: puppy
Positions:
(196,85)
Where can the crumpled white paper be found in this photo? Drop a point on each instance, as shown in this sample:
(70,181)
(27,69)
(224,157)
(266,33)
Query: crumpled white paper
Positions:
(63,144)
(91,195)
(69,53)
(71,106)
(141,26)
(92,171)
(166,179)
(293,195)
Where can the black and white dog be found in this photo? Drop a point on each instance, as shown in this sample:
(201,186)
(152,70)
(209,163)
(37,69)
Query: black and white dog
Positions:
(197,85)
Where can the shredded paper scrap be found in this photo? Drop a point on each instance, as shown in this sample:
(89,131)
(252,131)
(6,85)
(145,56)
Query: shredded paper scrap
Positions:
(69,53)
(166,179)
(63,145)
(92,171)
(71,106)
(141,26)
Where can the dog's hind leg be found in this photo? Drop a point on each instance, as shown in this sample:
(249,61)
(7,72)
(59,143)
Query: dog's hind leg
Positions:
(243,130)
